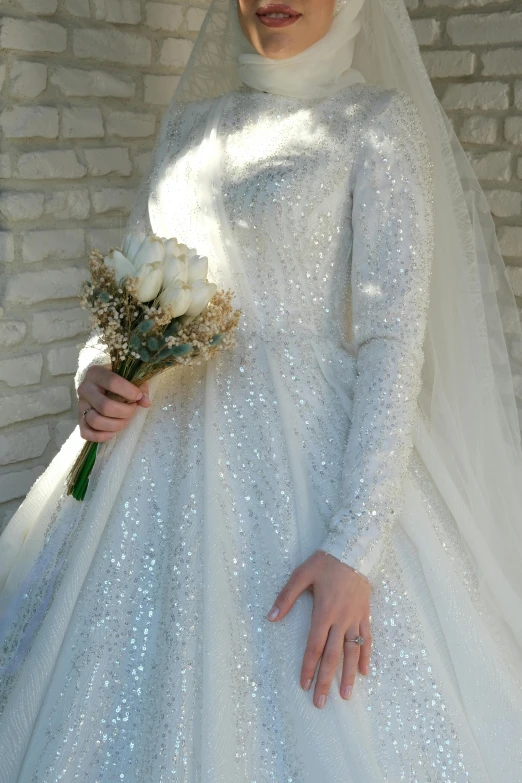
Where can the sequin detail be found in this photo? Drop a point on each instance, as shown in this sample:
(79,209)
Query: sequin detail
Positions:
(393,247)
(168,669)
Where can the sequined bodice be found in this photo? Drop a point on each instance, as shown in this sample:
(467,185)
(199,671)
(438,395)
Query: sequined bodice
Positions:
(135,643)
(316,213)
(285,187)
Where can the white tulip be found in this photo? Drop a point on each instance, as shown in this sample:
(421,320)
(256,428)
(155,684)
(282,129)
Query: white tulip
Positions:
(173,248)
(120,265)
(202,293)
(180,250)
(150,278)
(177,296)
(150,251)
(131,244)
(197,268)
(175,269)
(184,251)
(175,263)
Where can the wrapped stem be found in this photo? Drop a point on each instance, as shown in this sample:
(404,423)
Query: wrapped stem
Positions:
(78,478)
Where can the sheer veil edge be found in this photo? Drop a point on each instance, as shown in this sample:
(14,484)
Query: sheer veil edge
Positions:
(469,416)
(468,430)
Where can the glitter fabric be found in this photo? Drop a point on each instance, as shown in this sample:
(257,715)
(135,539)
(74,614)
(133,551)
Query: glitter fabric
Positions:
(339,5)
(135,647)
(392,246)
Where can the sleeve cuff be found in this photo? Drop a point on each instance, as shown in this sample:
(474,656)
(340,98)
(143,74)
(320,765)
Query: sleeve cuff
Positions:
(93,352)
(360,552)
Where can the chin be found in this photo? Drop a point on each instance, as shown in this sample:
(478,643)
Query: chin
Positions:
(279,44)
(276,45)
(278,51)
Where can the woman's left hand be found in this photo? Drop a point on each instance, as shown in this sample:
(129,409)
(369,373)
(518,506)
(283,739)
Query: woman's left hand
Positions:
(341,611)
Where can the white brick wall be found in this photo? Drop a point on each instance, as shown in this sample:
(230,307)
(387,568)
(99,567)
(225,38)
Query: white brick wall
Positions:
(472,50)
(83,85)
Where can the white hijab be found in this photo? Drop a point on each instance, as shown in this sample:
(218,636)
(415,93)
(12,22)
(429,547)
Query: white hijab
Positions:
(318,71)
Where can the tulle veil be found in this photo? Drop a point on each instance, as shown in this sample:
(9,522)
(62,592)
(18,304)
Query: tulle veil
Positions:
(468,428)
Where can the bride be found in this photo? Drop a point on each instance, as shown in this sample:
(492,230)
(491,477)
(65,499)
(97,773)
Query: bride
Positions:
(300,561)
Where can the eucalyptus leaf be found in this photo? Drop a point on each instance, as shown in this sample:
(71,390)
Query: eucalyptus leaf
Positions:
(145,326)
(164,353)
(172,329)
(181,350)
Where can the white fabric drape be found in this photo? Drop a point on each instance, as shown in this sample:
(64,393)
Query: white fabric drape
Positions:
(469,440)
(471,419)
(471,423)
(321,70)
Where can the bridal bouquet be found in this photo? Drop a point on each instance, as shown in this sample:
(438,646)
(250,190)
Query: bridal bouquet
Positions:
(155,308)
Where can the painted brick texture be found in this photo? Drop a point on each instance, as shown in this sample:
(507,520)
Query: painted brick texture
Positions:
(83,86)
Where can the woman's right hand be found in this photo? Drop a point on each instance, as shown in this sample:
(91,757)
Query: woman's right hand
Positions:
(107,417)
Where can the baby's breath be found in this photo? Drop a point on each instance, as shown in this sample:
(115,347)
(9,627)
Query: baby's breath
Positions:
(117,314)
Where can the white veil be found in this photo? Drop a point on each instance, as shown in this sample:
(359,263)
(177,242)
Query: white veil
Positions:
(467,431)
(468,428)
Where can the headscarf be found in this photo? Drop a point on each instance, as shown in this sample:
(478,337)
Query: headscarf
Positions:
(317,72)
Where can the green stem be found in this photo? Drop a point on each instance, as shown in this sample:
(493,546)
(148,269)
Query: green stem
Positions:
(79,487)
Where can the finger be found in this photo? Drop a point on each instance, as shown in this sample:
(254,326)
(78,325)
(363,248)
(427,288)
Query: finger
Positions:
(105,406)
(145,400)
(350,661)
(315,644)
(111,381)
(95,436)
(364,657)
(87,432)
(328,666)
(92,372)
(298,582)
(115,384)
(96,421)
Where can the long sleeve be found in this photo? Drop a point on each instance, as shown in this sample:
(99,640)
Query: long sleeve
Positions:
(392,253)
(94,351)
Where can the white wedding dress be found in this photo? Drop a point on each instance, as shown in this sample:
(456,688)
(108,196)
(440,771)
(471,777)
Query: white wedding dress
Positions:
(135,645)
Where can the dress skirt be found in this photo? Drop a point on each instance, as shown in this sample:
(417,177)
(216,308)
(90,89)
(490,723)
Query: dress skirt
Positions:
(135,642)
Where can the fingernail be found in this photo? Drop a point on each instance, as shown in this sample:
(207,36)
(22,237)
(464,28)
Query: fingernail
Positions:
(321,701)
(307,685)
(272,614)
(347,691)
(140,395)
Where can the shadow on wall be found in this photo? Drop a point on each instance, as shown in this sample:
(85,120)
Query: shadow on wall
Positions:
(83,87)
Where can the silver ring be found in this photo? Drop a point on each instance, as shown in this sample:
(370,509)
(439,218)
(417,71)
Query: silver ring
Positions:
(86,411)
(358,640)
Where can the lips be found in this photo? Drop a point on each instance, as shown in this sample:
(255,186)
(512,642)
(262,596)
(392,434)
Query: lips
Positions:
(276,8)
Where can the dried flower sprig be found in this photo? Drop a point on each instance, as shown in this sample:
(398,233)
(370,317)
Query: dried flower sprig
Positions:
(154,308)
